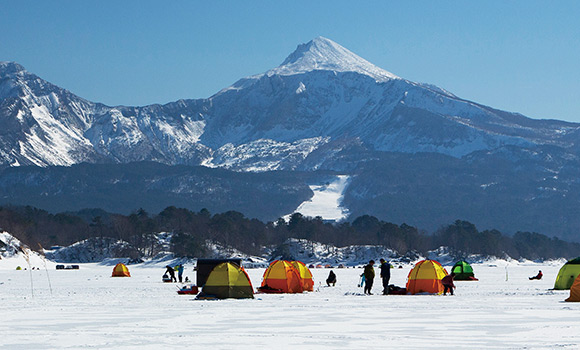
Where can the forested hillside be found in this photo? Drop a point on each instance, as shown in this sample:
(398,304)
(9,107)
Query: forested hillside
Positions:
(192,229)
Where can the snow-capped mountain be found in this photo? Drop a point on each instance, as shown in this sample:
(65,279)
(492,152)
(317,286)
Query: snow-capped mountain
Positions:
(323,109)
(42,124)
(321,94)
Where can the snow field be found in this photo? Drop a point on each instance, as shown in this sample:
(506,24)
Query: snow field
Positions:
(326,200)
(90,310)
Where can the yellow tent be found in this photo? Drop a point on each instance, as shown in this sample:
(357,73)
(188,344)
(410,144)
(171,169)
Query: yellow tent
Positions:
(575,291)
(281,277)
(121,270)
(567,274)
(426,277)
(305,275)
(228,280)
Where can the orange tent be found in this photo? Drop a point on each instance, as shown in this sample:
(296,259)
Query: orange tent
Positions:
(121,270)
(281,277)
(305,275)
(426,277)
(575,290)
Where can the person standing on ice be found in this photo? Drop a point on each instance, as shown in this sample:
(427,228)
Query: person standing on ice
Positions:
(169,270)
(385,275)
(369,274)
(180,272)
(447,282)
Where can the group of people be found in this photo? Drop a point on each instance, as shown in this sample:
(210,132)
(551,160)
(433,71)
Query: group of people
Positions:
(368,276)
(170,272)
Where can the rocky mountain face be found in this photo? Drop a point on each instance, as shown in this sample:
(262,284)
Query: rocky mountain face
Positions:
(418,154)
(44,125)
(322,93)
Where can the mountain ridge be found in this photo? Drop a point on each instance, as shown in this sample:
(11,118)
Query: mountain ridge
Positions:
(321,90)
(323,109)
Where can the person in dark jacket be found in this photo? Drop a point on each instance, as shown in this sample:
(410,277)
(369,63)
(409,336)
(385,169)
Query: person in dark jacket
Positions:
(369,274)
(447,282)
(169,270)
(331,279)
(385,275)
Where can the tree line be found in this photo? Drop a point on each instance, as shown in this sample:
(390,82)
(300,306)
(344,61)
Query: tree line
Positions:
(191,230)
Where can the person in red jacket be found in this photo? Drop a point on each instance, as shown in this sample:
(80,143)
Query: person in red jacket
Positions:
(538,276)
(447,282)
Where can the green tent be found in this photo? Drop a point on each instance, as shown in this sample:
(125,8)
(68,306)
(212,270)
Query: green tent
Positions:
(463,271)
(568,274)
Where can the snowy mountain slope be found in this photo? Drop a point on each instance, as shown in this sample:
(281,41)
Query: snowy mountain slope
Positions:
(94,249)
(325,90)
(322,91)
(14,253)
(42,124)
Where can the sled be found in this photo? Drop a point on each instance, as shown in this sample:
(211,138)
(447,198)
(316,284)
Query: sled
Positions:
(188,290)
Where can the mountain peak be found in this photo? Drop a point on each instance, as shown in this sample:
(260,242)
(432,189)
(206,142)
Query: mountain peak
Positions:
(10,68)
(324,54)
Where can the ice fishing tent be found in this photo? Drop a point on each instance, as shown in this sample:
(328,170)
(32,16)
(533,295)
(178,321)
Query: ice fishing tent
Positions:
(227,280)
(281,277)
(305,275)
(575,291)
(567,274)
(120,270)
(426,277)
(463,271)
(205,266)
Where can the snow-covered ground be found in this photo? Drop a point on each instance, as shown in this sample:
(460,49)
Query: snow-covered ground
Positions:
(89,309)
(327,200)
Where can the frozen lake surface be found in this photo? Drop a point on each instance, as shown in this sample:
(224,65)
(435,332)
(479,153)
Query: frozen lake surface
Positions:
(90,310)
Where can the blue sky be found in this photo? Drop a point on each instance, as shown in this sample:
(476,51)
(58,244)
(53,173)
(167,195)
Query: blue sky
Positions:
(520,56)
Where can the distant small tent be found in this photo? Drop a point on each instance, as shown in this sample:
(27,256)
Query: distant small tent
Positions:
(463,271)
(281,277)
(575,291)
(227,280)
(567,274)
(120,270)
(305,275)
(18,268)
(426,277)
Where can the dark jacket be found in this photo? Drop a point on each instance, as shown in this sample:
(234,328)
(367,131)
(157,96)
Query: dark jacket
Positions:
(448,281)
(385,270)
(331,278)
(369,272)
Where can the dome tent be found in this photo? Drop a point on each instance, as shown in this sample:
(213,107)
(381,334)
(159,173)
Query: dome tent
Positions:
(305,275)
(567,274)
(281,277)
(575,291)
(463,271)
(120,270)
(426,277)
(227,280)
